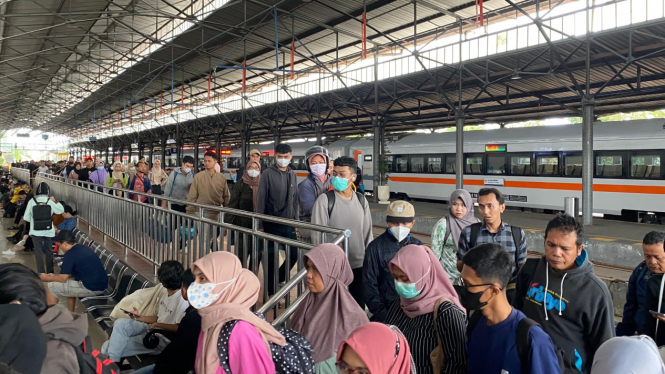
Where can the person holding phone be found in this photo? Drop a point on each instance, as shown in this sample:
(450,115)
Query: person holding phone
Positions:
(127,336)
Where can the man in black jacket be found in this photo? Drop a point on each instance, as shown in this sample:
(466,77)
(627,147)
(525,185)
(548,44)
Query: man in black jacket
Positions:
(179,356)
(379,283)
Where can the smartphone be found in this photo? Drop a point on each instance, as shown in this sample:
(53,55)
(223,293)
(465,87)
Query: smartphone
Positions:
(656,313)
(128,312)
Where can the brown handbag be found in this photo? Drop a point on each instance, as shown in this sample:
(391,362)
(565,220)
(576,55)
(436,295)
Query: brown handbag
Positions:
(436,356)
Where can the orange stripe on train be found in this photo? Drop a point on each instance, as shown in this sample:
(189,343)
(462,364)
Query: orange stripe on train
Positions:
(541,185)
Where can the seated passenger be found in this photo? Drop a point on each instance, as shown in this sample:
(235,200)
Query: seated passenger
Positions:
(81,273)
(223,292)
(127,336)
(375,348)
(492,335)
(180,354)
(377,279)
(65,330)
(446,233)
(69,222)
(635,310)
(628,355)
(423,285)
(579,321)
(22,341)
(329,313)
(14,207)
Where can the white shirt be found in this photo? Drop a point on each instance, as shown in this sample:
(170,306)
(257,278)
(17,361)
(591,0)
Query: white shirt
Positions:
(43,169)
(172,308)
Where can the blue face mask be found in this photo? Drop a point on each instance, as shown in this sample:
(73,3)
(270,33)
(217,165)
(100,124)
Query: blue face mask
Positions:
(100,168)
(406,290)
(339,184)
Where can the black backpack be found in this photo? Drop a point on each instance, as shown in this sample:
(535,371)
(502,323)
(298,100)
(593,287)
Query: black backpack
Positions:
(41,216)
(331,200)
(92,362)
(293,358)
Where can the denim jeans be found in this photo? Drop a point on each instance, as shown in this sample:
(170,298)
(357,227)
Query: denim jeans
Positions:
(43,246)
(127,340)
(145,370)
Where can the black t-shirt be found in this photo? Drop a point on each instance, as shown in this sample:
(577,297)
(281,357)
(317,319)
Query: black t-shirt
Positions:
(32,167)
(82,263)
(180,355)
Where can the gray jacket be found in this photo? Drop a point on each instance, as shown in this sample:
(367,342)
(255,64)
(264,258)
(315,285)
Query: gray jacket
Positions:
(177,186)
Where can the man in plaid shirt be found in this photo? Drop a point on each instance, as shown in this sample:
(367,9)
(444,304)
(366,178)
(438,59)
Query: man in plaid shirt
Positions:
(491,204)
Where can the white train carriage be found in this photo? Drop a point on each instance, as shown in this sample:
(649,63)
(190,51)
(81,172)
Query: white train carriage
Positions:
(537,167)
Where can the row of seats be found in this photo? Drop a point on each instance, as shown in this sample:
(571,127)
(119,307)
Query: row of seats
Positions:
(123,281)
(646,171)
(609,170)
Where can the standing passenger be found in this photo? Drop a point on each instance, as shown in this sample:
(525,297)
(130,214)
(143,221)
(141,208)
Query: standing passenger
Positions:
(494,325)
(422,286)
(42,237)
(116,178)
(99,176)
(278,197)
(316,183)
(75,174)
(349,211)
(329,313)
(492,229)
(140,183)
(178,184)
(157,177)
(225,292)
(243,197)
(379,283)
(446,233)
(255,156)
(375,348)
(131,170)
(635,311)
(628,355)
(561,293)
(209,187)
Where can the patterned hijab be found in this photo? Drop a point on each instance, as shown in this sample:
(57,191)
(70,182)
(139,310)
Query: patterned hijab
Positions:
(420,264)
(328,317)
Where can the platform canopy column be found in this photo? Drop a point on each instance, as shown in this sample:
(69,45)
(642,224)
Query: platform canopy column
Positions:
(588,105)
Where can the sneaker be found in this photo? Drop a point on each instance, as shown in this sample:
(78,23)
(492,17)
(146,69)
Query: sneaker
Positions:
(8,252)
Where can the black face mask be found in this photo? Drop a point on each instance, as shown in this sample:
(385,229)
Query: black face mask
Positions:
(471,300)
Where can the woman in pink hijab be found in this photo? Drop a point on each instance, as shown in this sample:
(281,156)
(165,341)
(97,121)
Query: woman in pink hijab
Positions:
(223,292)
(377,349)
(422,284)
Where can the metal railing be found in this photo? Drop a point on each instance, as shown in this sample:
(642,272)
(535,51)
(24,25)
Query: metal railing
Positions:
(21,174)
(158,234)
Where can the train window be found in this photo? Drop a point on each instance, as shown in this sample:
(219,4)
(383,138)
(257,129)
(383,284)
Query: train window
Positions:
(232,162)
(520,165)
(496,164)
(434,164)
(298,163)
(267,161)
(573,166)
(547,165)
(450,165)
(389,162)
(474,165)
(645,166)
(609,166)
(417,164)
(401,164)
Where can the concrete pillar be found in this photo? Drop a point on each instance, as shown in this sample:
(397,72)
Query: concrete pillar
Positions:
(588,104)
(459,151)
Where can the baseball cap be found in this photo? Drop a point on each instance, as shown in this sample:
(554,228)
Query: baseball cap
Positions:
(400,211)
(255,151)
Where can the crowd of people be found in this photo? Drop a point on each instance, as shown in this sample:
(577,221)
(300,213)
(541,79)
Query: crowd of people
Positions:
(471,303)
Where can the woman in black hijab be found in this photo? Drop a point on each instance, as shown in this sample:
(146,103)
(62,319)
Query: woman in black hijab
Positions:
(22,342)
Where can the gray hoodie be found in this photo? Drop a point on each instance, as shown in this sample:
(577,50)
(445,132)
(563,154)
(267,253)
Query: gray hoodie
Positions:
(278,194)
(59,324)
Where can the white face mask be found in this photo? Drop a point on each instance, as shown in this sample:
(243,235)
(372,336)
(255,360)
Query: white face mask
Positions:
(400,232)
(283,162)
(186,170)
(201,296)
(253,173)
(318,169)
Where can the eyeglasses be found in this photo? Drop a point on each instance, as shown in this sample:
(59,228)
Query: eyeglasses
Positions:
(460,281)
(345,369)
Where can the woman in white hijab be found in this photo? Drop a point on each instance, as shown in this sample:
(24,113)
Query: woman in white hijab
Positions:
(157,176)
(628,355)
